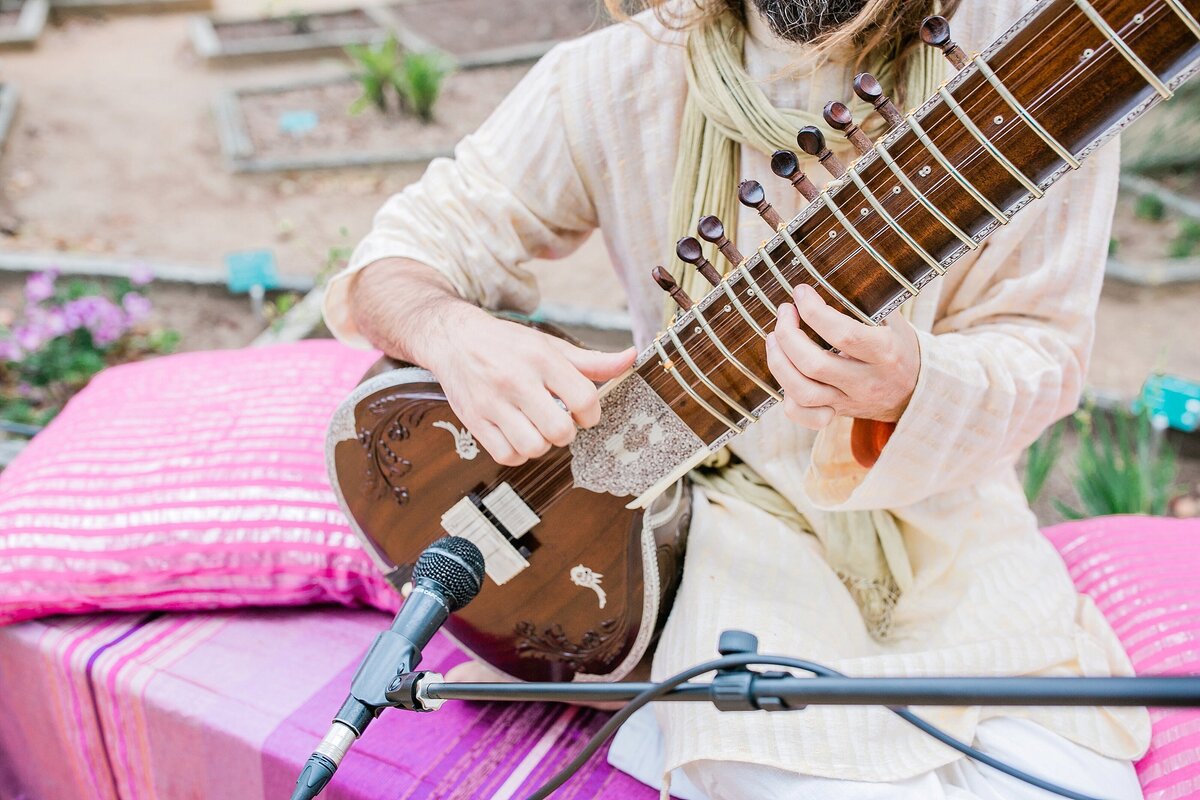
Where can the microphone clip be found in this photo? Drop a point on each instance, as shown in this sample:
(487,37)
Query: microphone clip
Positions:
(407,691)
(734,689)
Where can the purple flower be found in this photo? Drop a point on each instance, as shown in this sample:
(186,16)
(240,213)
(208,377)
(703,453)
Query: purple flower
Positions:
(49,322)
(136,306)
(104,318)
(141,274)
(28,338)
(40,286)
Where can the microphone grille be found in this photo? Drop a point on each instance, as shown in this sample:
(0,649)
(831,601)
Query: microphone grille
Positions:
(456,564)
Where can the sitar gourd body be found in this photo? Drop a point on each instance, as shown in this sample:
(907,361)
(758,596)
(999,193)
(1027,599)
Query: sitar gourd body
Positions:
(578,581)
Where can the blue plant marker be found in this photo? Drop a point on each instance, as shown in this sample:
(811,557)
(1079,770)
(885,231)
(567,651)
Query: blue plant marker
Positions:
(1173,400)
(246,269)
(298,123)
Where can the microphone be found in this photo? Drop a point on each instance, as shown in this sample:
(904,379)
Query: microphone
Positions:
(448,575)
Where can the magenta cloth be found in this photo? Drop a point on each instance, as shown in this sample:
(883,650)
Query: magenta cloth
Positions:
(1144,575)
(194,481)
(229,704)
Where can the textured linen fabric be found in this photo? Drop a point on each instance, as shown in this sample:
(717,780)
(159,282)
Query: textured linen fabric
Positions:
(187,482)
(1017,742)
(589,139)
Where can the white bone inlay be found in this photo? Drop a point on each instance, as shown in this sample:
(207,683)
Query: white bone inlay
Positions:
(464,442)
(501,560)
(516,517)
(582,576)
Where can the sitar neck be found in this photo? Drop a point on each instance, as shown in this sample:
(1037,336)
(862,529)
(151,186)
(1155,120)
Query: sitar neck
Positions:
(1065,78)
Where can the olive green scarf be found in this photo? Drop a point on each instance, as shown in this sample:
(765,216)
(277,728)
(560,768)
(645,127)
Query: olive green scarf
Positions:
(725,109)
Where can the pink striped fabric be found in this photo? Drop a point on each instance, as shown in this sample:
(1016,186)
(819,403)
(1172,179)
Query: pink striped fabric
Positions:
(1144,575)
(195,481)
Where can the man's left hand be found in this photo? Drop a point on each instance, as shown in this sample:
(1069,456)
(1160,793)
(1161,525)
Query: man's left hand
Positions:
(871,377)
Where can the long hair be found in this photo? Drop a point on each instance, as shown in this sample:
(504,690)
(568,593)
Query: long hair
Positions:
(884,31)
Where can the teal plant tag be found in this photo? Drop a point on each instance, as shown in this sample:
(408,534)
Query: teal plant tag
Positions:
(298,123)
(1173,400)
(246,269)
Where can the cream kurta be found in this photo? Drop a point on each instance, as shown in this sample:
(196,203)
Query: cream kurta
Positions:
(589,139)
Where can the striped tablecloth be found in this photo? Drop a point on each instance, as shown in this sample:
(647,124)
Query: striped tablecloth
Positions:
(229,704)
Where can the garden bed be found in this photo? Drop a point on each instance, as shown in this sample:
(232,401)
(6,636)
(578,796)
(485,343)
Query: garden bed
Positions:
(218,38)
(481,32)
(21,22)
(254,137)
(8,110)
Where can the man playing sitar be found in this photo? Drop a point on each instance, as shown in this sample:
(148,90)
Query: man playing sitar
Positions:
(875,522)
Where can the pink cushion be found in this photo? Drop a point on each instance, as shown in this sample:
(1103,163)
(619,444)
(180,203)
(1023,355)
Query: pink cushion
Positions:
(1144,574)
(194,481)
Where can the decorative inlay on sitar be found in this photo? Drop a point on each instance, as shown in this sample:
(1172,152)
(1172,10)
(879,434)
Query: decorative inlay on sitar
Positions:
(1064,79)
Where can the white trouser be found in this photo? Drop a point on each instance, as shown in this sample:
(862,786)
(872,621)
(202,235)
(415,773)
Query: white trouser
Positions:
(1017,742)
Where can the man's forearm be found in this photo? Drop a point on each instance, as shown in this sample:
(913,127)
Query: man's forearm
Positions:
(402,306)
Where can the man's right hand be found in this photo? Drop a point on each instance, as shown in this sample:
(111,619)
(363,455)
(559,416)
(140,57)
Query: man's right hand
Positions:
(502,379)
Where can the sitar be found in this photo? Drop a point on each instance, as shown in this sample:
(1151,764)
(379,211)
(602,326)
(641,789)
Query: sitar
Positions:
(584,546)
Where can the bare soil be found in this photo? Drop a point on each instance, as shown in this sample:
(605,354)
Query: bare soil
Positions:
(1140,330)
(297,24)
(462,107)
(462,27)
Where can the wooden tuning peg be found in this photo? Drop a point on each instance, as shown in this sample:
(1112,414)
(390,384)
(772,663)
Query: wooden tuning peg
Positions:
(712,230)
(668,285)
(751,195)
(935,32)
(690,252)
(812,141)
(837,115)
(869,91)
(785,164)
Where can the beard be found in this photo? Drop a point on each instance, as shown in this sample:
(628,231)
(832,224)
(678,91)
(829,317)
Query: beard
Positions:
(804,20)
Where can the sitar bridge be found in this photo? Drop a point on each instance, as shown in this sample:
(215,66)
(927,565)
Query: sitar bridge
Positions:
(493,523)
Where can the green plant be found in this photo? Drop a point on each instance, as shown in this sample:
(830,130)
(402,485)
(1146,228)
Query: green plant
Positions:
(69,331)
(1185,242)
(1124,467)
(336,258)
(1149,207)
(301,22)
(378,70)
(1040,460)
(1114,244)
(420,84)
(275,310)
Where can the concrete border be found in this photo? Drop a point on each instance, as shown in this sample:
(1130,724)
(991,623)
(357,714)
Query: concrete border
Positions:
(202,30)
(8,110)
(30,23)
(90,266)
(1159,271)
(130,6)
(241,155)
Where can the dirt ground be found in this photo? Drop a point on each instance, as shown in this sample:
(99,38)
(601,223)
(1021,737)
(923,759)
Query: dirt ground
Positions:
(114,152)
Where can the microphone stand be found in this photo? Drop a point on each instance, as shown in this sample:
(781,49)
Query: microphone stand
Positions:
(735,687)
(745,690)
